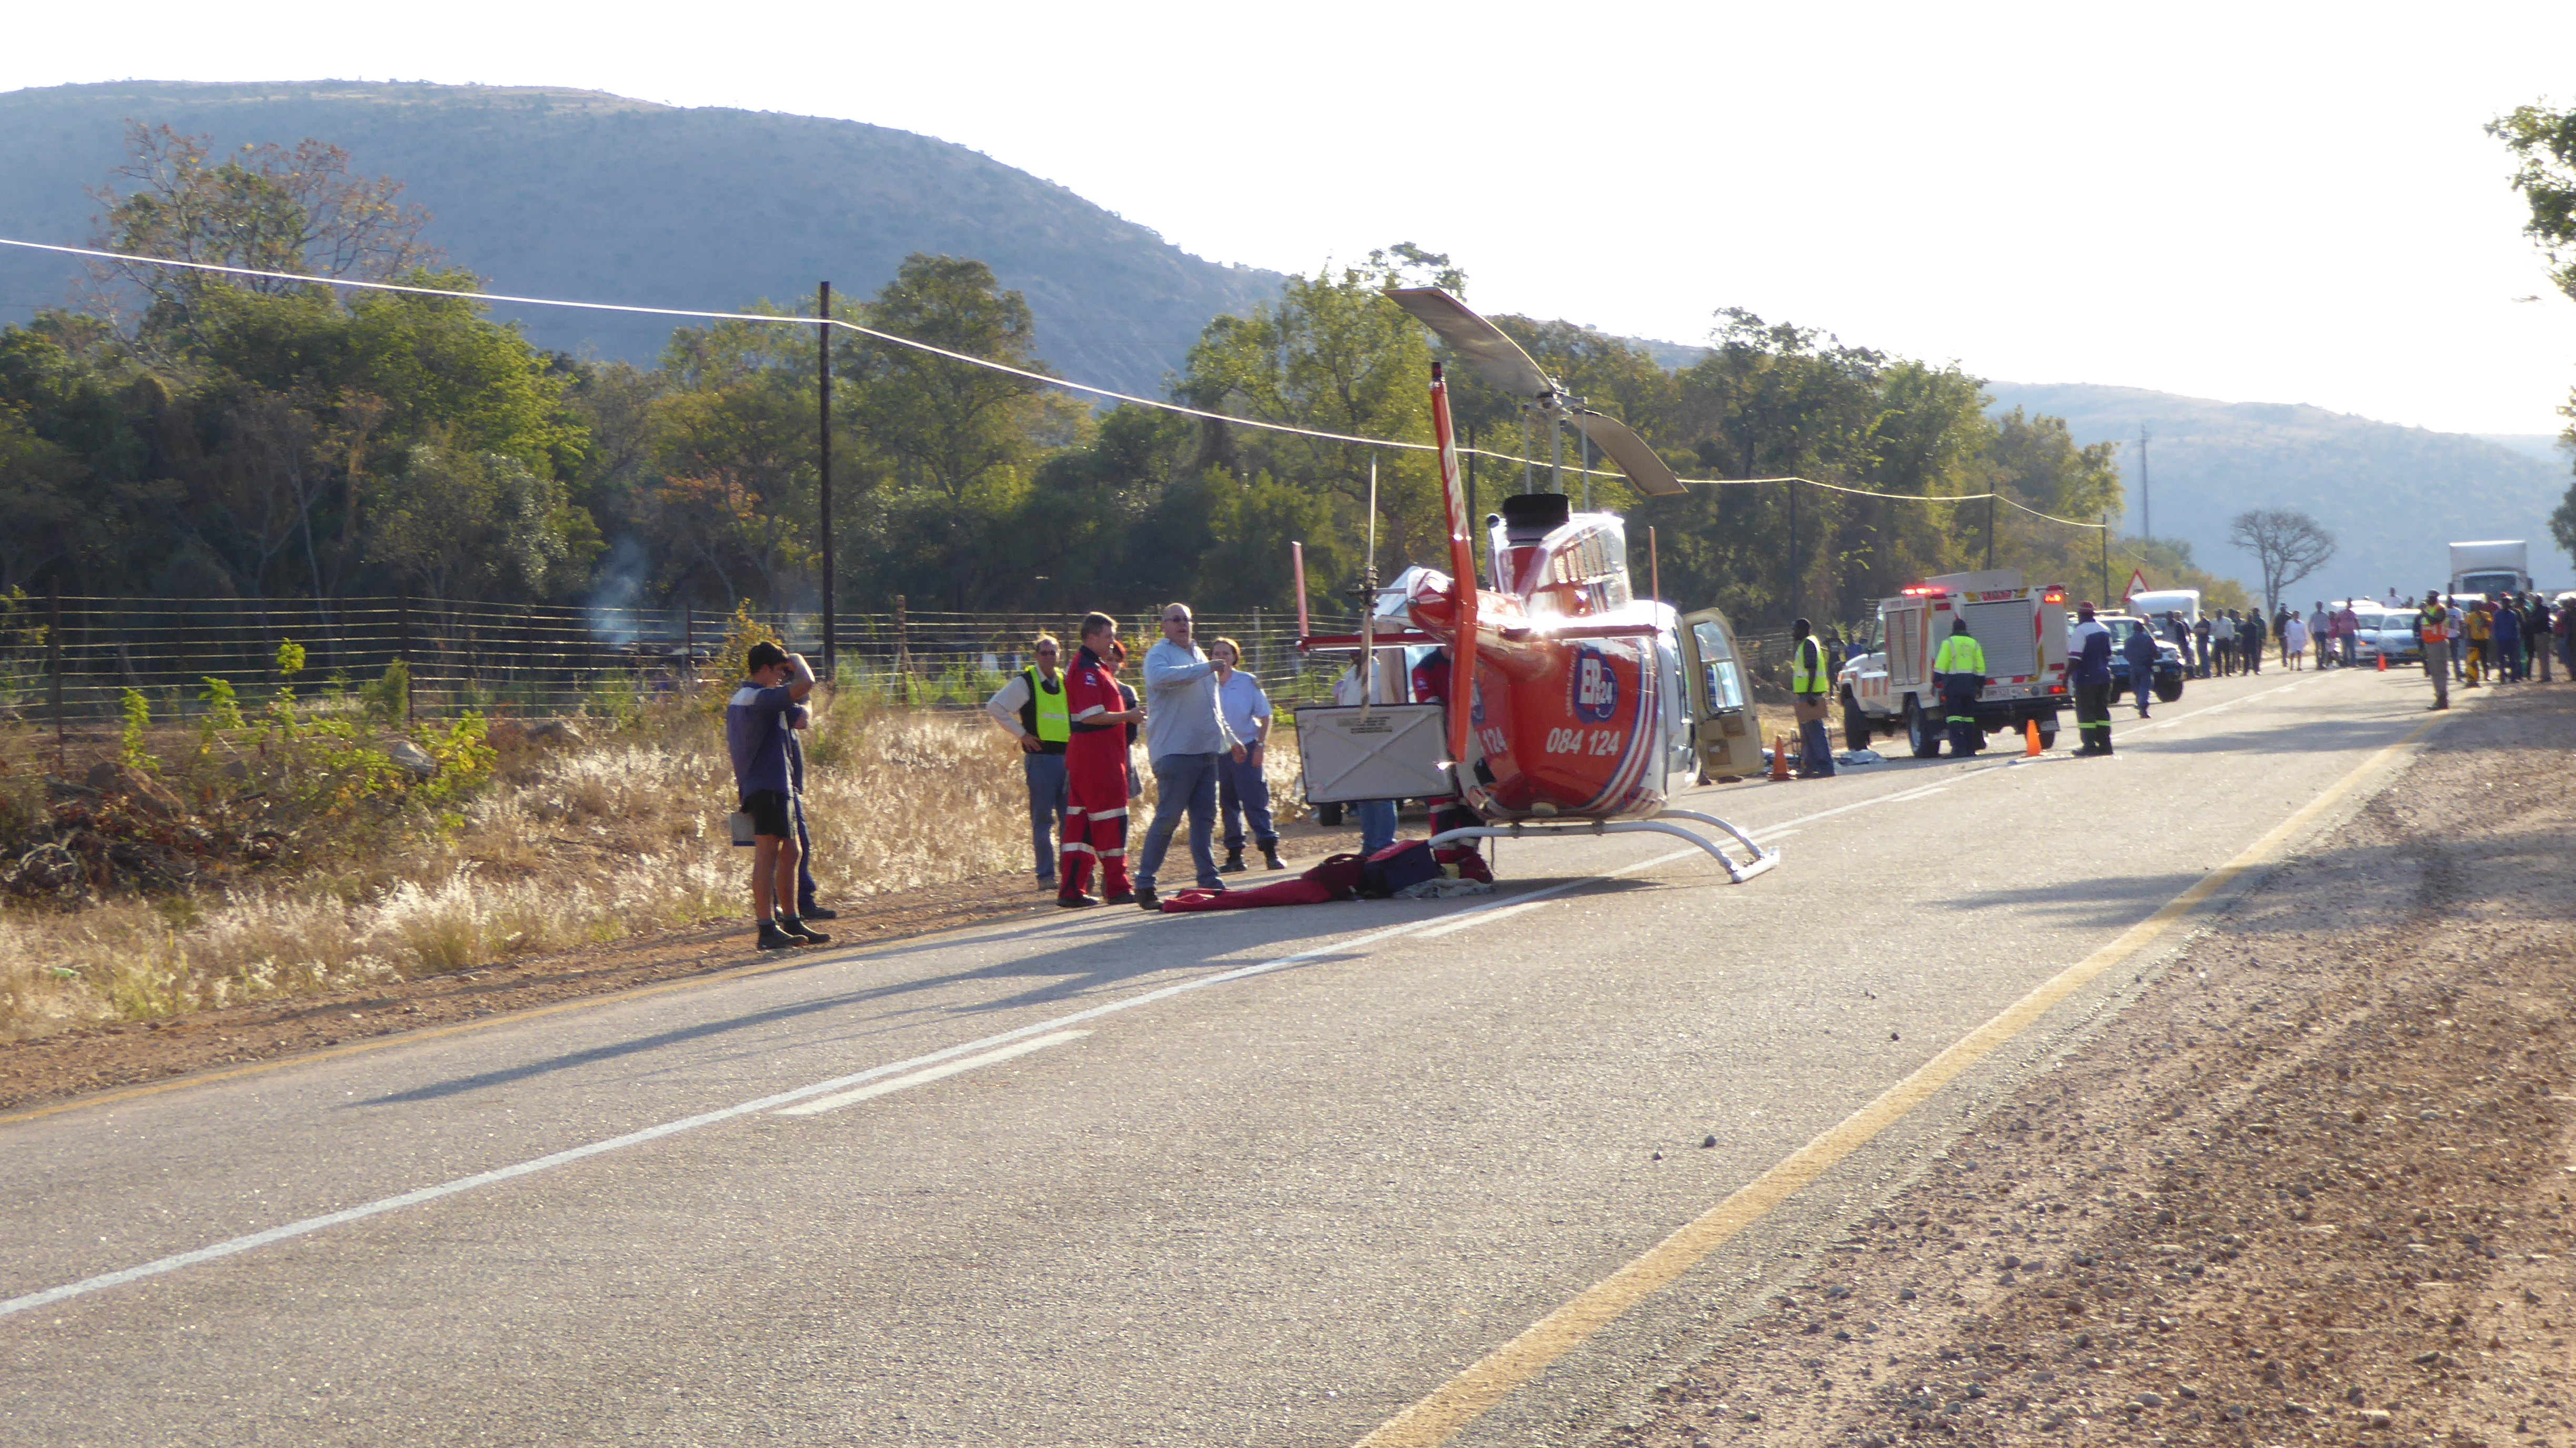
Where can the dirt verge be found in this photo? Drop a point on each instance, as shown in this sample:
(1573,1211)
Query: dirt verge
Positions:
(92,1058)
(2312,1185)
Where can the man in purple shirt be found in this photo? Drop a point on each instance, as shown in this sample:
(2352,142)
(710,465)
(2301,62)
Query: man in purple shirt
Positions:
(757,719)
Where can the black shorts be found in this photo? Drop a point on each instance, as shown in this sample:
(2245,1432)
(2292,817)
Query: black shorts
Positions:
(768,811)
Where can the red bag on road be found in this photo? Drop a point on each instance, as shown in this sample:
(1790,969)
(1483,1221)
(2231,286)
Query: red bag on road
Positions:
(1300,891)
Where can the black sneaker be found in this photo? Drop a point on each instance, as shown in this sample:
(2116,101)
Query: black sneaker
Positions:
(1270,853)
(803,931)
(1147,900)
(1123,897)
(1076,902)
(811,911)
(773,938)
(1233,863)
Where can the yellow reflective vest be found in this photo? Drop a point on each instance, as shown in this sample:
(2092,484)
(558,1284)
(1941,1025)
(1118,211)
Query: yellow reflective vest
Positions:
(1960,654)
(1807,668)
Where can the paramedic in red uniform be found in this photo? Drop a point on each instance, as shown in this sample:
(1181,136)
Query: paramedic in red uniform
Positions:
(1095,766)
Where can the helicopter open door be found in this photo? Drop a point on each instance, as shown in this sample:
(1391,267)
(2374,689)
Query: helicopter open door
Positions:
(1724,732)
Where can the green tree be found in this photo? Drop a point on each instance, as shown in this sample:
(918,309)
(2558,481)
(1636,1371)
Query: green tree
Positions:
(1334,355)
(942,424)
(266,207)
(2543,142)
(460,524)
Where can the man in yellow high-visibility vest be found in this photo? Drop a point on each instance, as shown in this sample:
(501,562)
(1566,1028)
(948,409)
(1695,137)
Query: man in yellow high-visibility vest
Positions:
(1809,687)
(1959,668)
(1031,708)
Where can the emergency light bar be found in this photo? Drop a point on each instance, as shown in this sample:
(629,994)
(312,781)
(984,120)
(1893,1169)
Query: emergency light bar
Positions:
(1925,591)
(2052,597)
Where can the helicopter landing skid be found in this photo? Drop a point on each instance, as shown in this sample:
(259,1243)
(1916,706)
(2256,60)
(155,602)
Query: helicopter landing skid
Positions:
(1525,830)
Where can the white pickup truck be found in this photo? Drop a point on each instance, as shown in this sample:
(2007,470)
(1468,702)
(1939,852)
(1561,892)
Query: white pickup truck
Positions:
(1886,686)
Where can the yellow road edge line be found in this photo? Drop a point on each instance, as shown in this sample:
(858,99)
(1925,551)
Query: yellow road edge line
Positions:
(503,1018)
(1436,1418)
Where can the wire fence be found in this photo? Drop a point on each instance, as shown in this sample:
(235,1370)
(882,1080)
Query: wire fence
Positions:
(76,658)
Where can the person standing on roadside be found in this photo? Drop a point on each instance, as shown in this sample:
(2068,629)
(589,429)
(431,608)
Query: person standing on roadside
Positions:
(2474,628)
(2433,631)
(2139,648)
(1959,671)
(2180,637)
(2347,634)
(2249,640)
(1243,790)
(2294,642)
(2088,673)
(1031,709)
(2321,634)
(2505,629)
(2459,634)
(1135,726)
(1096,771)
(1185,737)
(1810,685)
(799,720)
(2201,628)
(756,737)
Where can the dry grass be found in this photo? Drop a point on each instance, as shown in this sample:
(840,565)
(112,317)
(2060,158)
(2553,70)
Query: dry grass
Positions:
(575,846)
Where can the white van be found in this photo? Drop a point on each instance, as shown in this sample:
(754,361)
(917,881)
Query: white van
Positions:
(2157,603)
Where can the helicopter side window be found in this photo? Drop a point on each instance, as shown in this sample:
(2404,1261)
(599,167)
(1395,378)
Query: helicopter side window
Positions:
(1722,678)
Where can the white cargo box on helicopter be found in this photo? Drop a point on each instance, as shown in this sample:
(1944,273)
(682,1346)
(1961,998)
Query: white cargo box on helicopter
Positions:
(1887,687)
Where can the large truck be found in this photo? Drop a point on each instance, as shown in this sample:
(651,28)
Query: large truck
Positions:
(2487,569)
(1886,686)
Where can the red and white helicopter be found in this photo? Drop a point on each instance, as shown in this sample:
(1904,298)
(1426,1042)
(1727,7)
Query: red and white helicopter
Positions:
(1566,709)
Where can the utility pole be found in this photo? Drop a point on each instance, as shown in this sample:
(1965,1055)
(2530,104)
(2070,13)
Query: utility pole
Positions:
(2146,497)
(823,330)
(1990,531)
(1795,577)
(2106,557)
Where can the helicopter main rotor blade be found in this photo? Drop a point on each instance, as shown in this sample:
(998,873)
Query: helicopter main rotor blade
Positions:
(1495,356)
(1649,472)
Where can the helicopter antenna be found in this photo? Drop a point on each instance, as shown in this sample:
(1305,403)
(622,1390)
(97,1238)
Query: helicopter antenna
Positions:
(1367,591)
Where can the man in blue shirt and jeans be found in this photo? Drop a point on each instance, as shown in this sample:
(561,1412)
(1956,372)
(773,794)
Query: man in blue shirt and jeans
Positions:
(1185,735)
(756,724)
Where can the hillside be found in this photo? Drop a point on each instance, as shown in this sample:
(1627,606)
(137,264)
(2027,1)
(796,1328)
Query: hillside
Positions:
(2394,495)
(578,194)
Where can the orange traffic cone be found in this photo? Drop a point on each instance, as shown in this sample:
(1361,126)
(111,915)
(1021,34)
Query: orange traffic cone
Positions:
(2030,739)
(1780,756)
(2383,663)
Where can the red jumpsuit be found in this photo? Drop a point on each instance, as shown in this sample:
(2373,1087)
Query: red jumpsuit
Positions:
(1095,767)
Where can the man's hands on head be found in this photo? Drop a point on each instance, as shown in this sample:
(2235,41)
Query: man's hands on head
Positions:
(800,677)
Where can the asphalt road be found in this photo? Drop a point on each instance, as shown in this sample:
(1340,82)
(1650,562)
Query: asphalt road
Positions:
(1265,1177)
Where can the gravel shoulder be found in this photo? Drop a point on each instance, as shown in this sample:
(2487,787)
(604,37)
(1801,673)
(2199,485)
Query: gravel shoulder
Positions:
(2311,1185)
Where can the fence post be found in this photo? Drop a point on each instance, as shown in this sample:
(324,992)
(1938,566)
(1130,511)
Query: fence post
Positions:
(902,649)
(54,666)
(402,650)
(688,648)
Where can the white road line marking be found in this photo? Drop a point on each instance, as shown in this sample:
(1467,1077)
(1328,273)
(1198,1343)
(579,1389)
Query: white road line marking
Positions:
(566,1157)
(922,1078)
(1457,920)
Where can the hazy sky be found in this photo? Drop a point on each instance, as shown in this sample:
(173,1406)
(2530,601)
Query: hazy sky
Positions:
(2243,201)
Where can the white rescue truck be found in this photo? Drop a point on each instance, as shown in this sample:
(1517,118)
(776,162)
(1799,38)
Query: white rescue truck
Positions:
(1887,687)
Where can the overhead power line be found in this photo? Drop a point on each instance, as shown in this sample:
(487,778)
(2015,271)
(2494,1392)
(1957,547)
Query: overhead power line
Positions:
(971,360)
